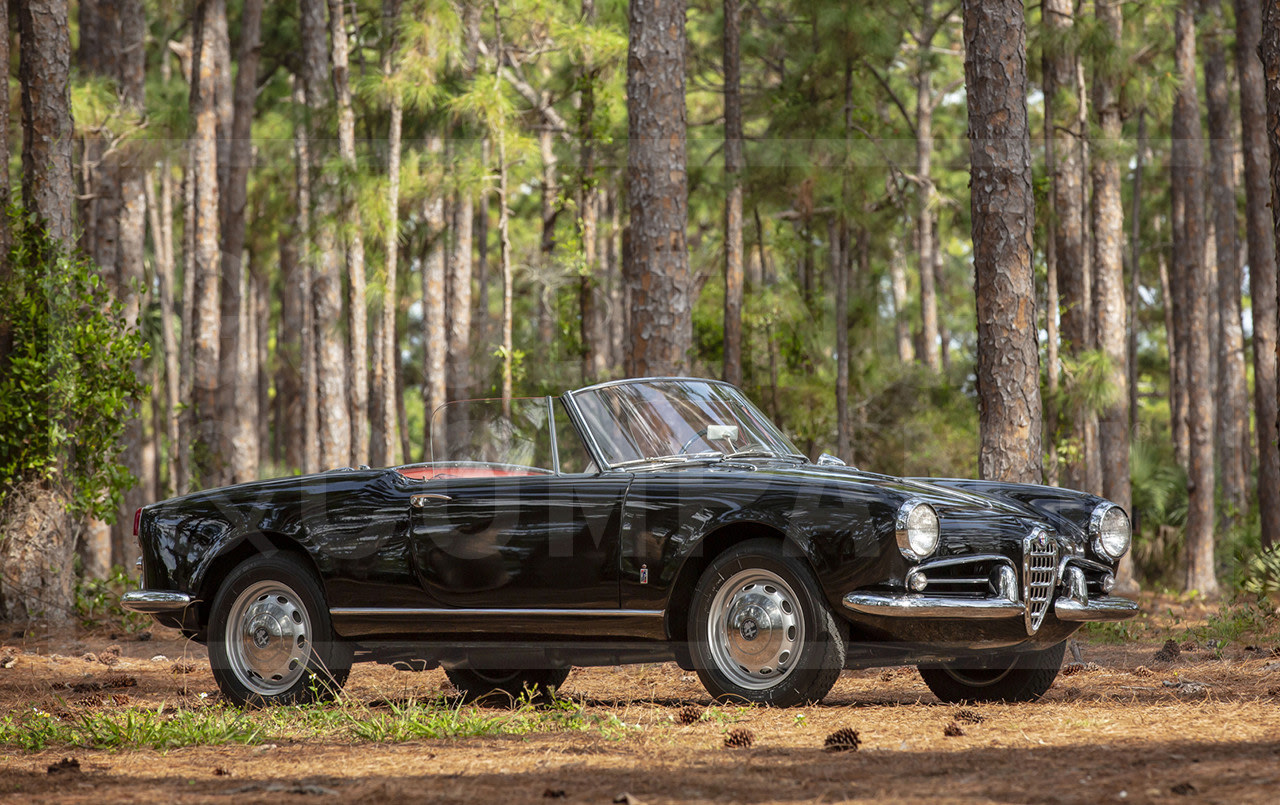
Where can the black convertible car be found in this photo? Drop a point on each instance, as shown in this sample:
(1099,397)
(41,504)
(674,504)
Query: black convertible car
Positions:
(633,521)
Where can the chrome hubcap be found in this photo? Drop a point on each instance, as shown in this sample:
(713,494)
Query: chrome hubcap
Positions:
(756,629)
(268,638)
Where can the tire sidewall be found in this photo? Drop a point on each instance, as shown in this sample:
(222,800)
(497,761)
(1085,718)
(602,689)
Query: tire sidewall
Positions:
(811,664)
(329,661)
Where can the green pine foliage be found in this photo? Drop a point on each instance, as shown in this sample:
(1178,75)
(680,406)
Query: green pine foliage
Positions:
(69,386)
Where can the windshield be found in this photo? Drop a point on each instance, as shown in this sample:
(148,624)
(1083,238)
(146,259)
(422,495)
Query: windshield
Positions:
(650,420)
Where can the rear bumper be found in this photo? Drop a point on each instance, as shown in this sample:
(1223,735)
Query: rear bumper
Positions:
(156,602)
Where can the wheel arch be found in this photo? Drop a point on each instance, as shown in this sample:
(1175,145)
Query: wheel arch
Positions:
(236,551)
(699,557)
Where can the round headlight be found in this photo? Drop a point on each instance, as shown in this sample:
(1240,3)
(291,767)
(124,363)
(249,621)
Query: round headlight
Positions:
(917,529)
(1110,531)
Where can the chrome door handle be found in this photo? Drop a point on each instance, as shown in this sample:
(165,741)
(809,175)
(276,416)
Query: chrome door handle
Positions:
(420,501)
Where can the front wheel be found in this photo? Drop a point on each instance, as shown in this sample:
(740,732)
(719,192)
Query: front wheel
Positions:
(270,637)
(507,685)
(759,630)
(1020,677)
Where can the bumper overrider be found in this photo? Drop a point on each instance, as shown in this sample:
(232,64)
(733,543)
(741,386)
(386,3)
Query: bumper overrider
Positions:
(1048,583)
(156,602)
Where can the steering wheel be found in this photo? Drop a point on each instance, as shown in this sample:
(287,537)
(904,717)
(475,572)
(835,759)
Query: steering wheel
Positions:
(695,437)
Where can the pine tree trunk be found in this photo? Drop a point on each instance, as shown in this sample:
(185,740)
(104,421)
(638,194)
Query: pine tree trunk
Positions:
(458,308)
(304,430)
(1067,197)
(204,263)
(1232,433)
(1255,97)
(291,427)
(504,229)
(899,295)
(595,346)
(238,388)
(358,347)
(839,238)
(434,329)
(44,69)
(385,438)
(658,279)
(131,254)
(1003,213)
(6,337)
(733,166)
(1135,269)
(1108,278)
(158,210)
(924,176)
(1191,281)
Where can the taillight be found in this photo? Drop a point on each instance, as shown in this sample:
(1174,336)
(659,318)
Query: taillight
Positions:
(137,521)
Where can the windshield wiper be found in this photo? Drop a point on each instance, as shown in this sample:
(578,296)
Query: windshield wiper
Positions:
(761,452)
(675,458)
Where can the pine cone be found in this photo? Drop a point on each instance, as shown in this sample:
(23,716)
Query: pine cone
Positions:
(1169,652)
(119,681)
(690,714)
(968,716)
(952,730)
(739,738)
(182,667)
(842,740)
(1141,670)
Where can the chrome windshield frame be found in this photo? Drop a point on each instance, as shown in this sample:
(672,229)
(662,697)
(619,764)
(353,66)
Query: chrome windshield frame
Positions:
(579,421)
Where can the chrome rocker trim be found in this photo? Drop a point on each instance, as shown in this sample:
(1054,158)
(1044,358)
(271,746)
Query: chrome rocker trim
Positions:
(153,602)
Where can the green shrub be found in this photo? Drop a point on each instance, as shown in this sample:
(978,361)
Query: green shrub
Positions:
(67,386)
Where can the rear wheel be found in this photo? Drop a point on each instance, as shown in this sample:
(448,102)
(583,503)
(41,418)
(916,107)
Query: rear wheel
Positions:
(1020,677)
(270,637)
(759,630)
(505,685)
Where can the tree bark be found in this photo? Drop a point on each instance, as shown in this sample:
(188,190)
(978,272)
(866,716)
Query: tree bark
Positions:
(358,347)
(163,240)
(657,190)
(1108,275)
(1231,437)
(1256,121)
(1003,211)
(733,165)
(839,238)
(6,337)
(306,428)
(1191,280)
(1135,269)
(44,68)
(237,384)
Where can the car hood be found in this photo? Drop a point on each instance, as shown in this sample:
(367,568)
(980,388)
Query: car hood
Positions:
(1065,511)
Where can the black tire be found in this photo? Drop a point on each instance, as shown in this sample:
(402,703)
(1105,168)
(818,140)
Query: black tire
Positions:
(1020,677)
(504,686)
(764,592)
(287,652)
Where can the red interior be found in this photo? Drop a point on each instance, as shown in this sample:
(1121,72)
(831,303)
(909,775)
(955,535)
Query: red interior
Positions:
(429,472)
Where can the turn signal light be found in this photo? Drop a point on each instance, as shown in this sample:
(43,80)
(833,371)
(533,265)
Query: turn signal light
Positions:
(137,521)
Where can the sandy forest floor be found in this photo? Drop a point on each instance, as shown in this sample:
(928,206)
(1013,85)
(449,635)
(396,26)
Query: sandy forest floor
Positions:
(1123,727)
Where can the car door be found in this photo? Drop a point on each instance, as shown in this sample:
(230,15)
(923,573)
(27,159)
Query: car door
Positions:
(491,536)
(519,542)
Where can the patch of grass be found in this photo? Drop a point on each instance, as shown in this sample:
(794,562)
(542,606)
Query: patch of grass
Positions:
(1235,621)
(34,730)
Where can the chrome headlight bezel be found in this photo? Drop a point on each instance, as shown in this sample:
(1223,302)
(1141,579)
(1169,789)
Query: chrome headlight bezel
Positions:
(1097,522)
(914,539)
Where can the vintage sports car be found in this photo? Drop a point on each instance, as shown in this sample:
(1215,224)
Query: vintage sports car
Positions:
(633,521)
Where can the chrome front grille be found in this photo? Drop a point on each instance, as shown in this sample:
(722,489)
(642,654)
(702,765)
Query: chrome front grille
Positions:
(1039,576)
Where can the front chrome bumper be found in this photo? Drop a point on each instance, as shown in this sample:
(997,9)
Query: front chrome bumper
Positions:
(1068,590)
(914,605)
(155,602)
